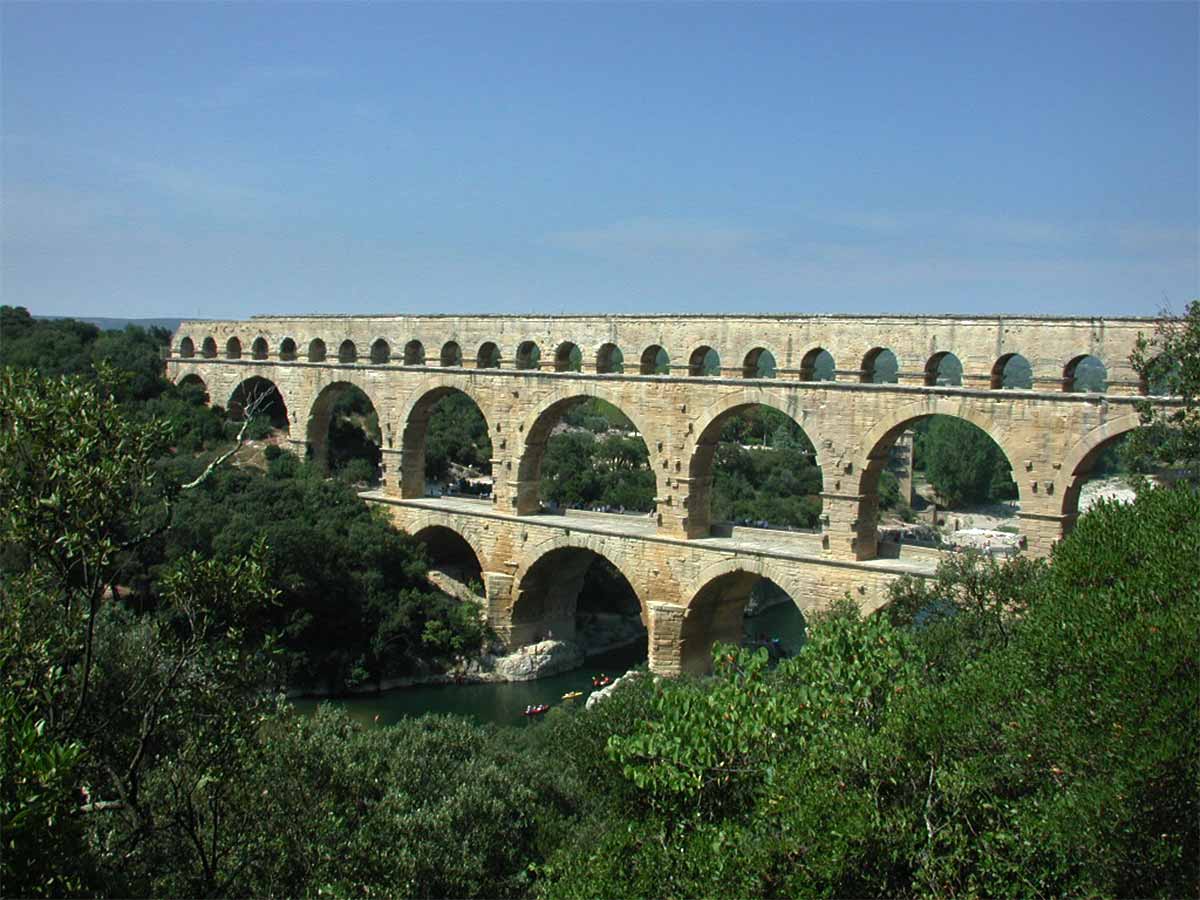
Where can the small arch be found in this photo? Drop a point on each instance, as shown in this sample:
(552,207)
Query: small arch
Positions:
(316,350)
(1012,372)
(880,366)
(529,355)
(287,350)
(209,348)
(414,353)
(347,352)
(568,358)
(1085,375)
(264,396)
(451,355)
(818,365)
(610,360)
(943,370)
(655,361)
(381,352)
(488,356)
(193,382)
(187,348)
(233,348)
(704,362)
(258,350)
(759,363)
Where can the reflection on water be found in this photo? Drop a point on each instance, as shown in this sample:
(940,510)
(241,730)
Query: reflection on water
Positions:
(503,703)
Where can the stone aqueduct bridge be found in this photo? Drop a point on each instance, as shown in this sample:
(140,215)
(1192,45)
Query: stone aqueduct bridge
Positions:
(691,578)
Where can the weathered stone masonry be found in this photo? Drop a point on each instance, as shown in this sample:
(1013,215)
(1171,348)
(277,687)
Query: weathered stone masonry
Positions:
(690,583)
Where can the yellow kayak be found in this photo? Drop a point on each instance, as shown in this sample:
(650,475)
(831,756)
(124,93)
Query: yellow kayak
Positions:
(571,695)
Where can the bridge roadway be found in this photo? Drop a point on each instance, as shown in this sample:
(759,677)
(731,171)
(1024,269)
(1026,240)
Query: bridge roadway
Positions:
(691,592)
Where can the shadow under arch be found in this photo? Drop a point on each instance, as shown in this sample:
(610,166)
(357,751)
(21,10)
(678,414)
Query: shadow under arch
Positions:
(703,450)
(415,417)
(321,419)
(537,428)
(1080,459)
(453,558)
(264,397)
(716,604)
(193,382)
(549,583)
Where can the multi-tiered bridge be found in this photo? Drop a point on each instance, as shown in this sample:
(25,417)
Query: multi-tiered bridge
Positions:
(679,379)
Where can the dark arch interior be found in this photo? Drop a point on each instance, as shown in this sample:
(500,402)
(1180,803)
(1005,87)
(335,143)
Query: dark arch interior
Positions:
(704,361)
(818,365)
(655,361)
(451,355)
(755,467)
(381,351)
(1085,375)
(568,358)
(610,360)
(740,608)
(1012,372)
(347,352)
(880,366)
(584,453)
(578,595)
(414,353)
(529,355)
(287,350)
(263,397)
(446,443)
(759,363)
(209,348)
(343,434)
(943,370)
(450,554)
(187,348)
(258,349)
(316,350)
(488,356)
(233,348)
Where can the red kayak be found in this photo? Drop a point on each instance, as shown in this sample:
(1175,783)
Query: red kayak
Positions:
(536,710)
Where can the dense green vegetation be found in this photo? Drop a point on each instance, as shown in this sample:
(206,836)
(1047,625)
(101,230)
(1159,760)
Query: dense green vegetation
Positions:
(1007,729)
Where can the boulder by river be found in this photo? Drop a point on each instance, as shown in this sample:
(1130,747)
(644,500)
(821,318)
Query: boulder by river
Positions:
(534,661)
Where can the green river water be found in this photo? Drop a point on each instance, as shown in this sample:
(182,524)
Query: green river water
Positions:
(504,703)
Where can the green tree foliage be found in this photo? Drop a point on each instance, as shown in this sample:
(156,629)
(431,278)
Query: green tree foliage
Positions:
(962,463)
(457,435)
(1169,364)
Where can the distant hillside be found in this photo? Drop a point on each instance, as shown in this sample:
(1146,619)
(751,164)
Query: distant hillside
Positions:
(107,324)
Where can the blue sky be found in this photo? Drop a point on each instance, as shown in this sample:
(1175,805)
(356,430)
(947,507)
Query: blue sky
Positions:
(221,160)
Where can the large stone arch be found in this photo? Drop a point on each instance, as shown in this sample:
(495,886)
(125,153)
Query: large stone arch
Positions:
(706,431)
(1079,459)
(316,432)
(534,431)
(547,581)
(414,426)
(268,397)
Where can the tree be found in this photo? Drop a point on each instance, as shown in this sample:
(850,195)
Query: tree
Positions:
(1169,365)
(962,462)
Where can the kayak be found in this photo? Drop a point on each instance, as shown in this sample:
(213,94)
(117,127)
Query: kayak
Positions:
(571,695)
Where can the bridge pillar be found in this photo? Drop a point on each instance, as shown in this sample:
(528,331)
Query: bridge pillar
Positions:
(666,637)
(395,478)
(850,521)
(1041,531)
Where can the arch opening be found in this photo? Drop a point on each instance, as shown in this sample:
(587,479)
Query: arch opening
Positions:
(447,450)
(488,356)
(655,361)
(187,348)
(579,595)
(233,348)
(610,360)
(568,358)
(262,399)
(209,348)
(880,366)
(743,608)
(258,350)
(1012,372)
(759,363)
(940,480)
(943,370)
(451,355)
(414,353)
(287,350)
(381,352)
(754,467)
(529,355)
(347,352)
(585,453)
(1085,375)
(704,362)
(1104,473)
(316,350)
(454,566)
(343,434)
(818,365)
(194,389)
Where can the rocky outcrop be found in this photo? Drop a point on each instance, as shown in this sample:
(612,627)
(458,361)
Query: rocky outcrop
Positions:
(596,696)
(529,663)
